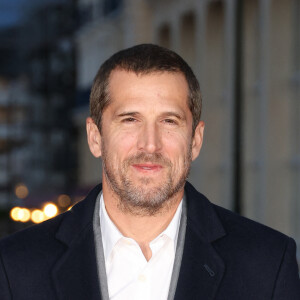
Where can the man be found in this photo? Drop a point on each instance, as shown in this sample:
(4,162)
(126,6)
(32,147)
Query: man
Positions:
(146,233)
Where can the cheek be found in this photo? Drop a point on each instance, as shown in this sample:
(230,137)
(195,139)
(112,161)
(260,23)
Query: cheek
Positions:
(176,141)
(176,149)
(122,144)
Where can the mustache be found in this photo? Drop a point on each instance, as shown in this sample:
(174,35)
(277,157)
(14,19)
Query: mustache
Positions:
(155,158)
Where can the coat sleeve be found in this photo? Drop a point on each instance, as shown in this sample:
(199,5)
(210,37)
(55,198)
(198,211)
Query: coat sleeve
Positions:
(4,285)
(287,285)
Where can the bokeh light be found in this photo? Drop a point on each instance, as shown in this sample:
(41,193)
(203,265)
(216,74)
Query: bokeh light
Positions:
(50,210)
(20,214)
(64,200)
(21,191)
(14,213)
(37,216)
(24,215)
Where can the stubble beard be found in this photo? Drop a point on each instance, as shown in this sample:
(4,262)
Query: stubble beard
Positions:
(140,198)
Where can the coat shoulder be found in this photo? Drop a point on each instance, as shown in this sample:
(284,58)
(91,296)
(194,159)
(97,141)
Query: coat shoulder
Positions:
(259,255)
(237,225)
(258,248)
(34,238)
(234,225)
(234,234)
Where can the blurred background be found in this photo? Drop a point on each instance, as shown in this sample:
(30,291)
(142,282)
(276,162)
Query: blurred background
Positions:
(245,53)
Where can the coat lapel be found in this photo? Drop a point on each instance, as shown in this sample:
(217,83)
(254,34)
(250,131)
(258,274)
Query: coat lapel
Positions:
(75,274)
(202,268)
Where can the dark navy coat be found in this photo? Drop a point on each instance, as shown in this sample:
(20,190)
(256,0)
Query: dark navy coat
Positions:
(225,257)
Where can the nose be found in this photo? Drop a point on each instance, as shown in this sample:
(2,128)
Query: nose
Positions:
(149,139)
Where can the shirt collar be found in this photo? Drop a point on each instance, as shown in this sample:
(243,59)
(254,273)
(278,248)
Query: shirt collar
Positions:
(111,234)
(173,228)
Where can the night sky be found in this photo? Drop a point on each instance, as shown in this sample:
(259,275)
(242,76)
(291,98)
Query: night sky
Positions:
(11,11)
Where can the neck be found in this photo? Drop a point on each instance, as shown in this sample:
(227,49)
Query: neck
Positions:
(142,228)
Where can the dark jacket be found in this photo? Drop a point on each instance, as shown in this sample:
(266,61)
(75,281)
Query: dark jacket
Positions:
(225,257)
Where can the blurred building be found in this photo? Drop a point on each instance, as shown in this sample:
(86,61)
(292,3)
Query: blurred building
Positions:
(246,55)
(13,122)
(37,84)
(13,143)
(50,66)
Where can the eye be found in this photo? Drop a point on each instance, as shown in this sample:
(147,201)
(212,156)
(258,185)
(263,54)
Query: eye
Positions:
(129,120)
(170,121)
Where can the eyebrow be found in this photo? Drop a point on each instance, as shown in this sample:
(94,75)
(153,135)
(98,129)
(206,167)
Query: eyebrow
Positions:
(164,114)
(173,114)
(129,113)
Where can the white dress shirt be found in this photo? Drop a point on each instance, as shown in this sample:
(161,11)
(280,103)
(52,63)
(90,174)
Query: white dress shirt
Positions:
(129,275)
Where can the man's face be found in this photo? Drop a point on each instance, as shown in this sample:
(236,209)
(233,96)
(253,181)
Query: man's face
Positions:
(146,139)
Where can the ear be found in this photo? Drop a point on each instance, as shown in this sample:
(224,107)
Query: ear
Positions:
(197,140)
(93,137)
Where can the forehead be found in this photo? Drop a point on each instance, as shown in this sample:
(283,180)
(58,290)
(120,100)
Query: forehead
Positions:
(155,86)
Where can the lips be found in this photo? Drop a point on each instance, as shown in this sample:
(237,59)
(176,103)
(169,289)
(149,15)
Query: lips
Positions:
(147,167)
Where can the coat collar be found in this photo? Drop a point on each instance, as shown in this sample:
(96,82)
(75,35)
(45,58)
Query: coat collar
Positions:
(202,216)
(202,268)
(75,274)
(78,218)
